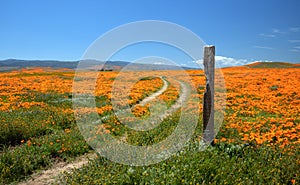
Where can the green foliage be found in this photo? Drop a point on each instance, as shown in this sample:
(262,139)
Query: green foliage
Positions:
(222,164)
(25,123)
(40,153)
(159,133)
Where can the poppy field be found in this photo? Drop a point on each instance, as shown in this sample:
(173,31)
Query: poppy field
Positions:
(257,143)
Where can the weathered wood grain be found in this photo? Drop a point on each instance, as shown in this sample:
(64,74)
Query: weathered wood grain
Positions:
(208,101)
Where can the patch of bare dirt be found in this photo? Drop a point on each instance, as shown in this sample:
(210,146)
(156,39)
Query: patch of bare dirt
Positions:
(48,176)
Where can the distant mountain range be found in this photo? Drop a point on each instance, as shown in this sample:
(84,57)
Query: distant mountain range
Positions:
(11,64)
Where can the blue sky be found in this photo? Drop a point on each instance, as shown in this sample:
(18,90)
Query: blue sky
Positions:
(242,31)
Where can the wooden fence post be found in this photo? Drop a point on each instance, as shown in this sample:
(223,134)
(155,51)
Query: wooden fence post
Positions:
(208,100)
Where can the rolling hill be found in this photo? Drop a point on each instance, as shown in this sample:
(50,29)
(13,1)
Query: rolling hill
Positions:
(273,65)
